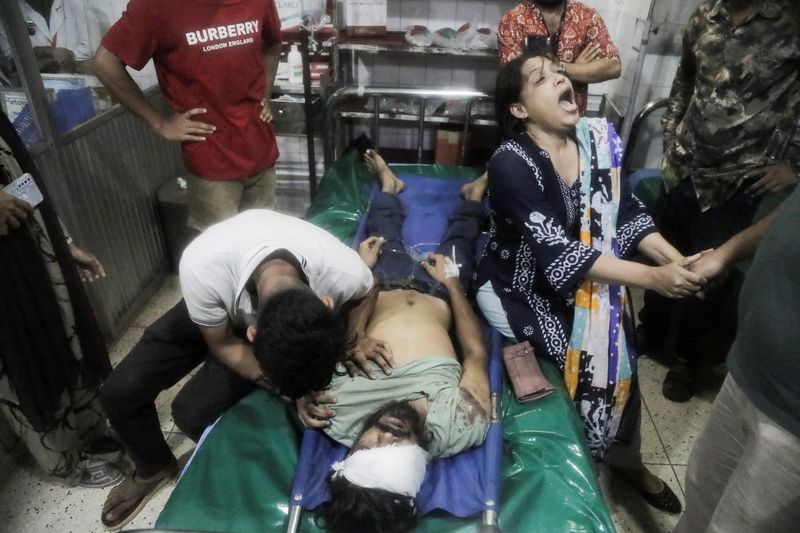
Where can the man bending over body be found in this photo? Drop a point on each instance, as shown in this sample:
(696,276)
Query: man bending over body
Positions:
(275,277)
(429,405)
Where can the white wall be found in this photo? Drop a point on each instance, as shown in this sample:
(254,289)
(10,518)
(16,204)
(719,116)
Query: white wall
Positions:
(622,17)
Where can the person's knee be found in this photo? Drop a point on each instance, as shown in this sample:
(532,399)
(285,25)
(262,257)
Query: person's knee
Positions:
(122,390)
(184,413)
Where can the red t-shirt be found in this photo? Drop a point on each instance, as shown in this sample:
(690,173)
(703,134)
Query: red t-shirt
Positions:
(580,26)
(208,53)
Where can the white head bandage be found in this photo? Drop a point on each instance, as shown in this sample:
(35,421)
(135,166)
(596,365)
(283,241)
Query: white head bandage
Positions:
(398,469)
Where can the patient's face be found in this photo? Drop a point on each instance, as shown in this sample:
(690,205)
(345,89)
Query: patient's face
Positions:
(394,423)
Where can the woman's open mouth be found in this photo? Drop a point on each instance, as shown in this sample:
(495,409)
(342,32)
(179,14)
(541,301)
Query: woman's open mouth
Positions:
(567,100)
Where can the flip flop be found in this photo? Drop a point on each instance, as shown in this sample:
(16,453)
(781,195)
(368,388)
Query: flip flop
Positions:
(138,493)
(678,385)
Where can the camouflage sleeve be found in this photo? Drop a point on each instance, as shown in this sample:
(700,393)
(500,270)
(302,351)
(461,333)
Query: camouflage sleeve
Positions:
(683,84)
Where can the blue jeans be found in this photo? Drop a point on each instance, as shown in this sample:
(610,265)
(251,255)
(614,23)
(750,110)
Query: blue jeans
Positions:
(397,268)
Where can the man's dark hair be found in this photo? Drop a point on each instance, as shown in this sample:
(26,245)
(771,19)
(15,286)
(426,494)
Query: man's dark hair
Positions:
(356,509)
(509,85)
(298,342)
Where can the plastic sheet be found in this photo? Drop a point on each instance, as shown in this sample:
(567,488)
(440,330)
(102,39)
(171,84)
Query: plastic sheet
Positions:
(240,479)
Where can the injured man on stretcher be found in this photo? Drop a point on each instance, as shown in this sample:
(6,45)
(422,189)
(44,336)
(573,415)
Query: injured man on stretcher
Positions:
(423,403)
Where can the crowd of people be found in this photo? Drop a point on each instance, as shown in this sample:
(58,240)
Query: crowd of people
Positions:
(385,354)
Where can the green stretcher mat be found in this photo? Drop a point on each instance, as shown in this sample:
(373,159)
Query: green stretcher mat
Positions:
(240,477)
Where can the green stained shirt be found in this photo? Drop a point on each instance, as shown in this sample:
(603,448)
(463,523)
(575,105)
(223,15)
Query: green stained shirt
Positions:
(735,98)
(454,421)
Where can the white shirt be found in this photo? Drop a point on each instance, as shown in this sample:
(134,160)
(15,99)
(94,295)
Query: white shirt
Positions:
(67,28)
(216,266)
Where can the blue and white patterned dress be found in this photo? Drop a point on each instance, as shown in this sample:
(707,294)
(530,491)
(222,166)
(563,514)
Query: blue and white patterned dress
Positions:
(534,257)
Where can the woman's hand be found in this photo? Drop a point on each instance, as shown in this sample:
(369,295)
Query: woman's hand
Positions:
(89,267)
(675,280)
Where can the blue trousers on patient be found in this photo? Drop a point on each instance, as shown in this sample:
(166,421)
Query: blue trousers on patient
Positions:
(397,268)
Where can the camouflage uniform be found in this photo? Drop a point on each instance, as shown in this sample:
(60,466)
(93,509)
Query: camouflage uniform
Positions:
(734,98)
(731,110)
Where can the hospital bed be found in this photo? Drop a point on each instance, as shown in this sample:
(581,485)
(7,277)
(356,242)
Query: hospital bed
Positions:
(242,478)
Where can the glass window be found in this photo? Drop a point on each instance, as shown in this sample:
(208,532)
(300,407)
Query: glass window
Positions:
(64,35)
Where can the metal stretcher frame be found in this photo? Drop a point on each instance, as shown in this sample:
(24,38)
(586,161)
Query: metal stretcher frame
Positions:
(491,448)
(239,479)
(333,117)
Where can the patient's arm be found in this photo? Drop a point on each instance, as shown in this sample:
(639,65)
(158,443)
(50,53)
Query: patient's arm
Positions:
(475,360)
(234,352)
(366,348)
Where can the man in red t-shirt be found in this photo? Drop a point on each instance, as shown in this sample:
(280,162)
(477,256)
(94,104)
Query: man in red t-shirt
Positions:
(578,35)
(216,62)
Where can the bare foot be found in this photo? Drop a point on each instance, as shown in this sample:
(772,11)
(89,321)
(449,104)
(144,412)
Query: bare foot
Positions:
(129,497)
(389,181)
(475,189)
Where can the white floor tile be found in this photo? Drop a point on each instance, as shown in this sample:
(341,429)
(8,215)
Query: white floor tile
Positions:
(653,451)
(32,503)
(677,424)
(680,473)
(124,345)
(167,296)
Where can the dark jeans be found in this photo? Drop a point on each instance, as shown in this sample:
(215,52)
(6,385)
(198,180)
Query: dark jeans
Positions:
(396,268)
(169,349)
(700,323)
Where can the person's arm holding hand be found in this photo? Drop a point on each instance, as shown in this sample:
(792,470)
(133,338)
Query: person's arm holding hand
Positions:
(715,263)
(474,357)
(179,127)
(13,212)
(672,280)
(656,248)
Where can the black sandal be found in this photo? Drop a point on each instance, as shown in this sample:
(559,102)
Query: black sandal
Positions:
(678,385)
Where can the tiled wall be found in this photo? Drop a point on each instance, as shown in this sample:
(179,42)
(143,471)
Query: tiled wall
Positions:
(624,19)
(658,71)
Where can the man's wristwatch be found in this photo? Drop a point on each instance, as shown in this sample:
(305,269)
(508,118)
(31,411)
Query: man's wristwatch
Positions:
(561,68)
